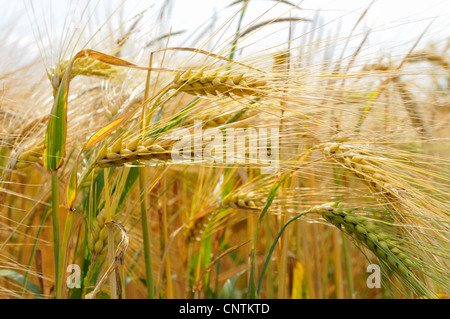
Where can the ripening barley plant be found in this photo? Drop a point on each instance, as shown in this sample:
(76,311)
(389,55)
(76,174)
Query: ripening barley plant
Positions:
(247,149)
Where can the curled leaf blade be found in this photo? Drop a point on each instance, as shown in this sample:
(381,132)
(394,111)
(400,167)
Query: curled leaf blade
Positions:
(71,188)
(55,137)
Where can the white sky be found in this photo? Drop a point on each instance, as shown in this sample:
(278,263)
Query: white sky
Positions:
(393,23)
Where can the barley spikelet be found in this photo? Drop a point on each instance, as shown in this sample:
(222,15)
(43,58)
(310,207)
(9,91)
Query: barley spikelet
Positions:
(361,165)
(91,175)
(398,247)
(30,156)
(31,151)
(353,222)
(134,150)
(211,119)
(385,182)
(98,236)
(213,83)
(141,149)
(243,201)
(432,57)
(33,128)
(411,106)
(196,226)
(82,66)
(114,104)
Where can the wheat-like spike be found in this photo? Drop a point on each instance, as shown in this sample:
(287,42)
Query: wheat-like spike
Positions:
(361,165)
(435,58)
(32,152)
(89,67)
(31,129)
(134,150)
(209,121)
(196,226)
(29,156)
(243,201)
(411,106)
(138,149)
(91,175)
(363,230)
(15,134)
(98,236)
(214,83)
(82,66)
(115,104)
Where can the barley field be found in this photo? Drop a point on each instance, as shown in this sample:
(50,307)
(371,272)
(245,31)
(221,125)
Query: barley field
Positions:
(245,149)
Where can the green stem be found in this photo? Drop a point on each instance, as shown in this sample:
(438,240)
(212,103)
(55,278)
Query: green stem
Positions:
(111,260)
(348,266)
(233,48)
(146,237)
(56,235)
(272,248)
(325,275)
(65,243)
(251,293)
(270,274)
(111,252)
(251,287)
(282,271)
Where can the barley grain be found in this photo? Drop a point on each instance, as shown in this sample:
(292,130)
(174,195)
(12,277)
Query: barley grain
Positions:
(218,83)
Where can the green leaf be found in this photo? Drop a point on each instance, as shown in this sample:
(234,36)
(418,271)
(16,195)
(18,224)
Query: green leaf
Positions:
(270,199)
(178,119)
(272,248)
(31,287)
(71,189)
(252,294)
(229,290)
(133,174)
(55,137)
